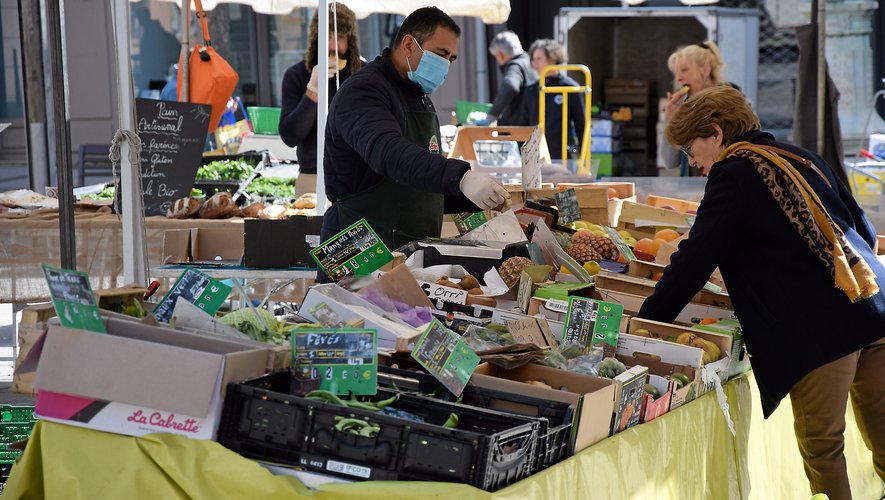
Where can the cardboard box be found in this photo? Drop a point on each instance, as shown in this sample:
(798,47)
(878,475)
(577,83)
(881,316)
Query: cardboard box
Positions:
(690,314)
(592,396)
(646,219)
(138,379)
(658,368)
(281,243)
(675,204)
(740,361)
(203,245)
(653,408)
(629,389)
(462,145)
(392,334)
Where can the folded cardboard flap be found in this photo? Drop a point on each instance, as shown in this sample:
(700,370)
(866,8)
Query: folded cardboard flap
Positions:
(176,245)
(143,365)
(203,244)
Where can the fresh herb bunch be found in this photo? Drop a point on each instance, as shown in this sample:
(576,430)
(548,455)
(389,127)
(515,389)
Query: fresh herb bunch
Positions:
(226,170)
(272,186)
(105,194)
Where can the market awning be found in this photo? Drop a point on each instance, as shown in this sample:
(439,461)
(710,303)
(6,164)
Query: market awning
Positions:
(490,11)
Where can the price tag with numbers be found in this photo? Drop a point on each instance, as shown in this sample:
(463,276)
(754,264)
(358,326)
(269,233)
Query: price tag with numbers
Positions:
(345,360)
(203,291)
(591,321)
(446,356)
(356,250)
(73,299)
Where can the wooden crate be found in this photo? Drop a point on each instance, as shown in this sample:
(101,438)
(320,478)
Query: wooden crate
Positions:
(592,199)
(682,206)
(646,218)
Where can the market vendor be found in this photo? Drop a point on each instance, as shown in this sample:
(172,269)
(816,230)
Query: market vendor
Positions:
(799,258)
(298,117)
(383,160)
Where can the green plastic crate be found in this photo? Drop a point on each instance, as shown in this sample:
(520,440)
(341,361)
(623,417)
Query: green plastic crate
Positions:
(464,108)
(265,121)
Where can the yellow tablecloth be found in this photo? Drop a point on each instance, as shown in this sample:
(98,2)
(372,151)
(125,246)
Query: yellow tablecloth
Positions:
(686,454)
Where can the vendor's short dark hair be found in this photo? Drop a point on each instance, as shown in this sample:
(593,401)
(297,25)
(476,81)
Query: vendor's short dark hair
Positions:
(423,22)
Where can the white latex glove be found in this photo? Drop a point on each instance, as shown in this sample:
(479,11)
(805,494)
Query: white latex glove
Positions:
(484,191)
(315,74)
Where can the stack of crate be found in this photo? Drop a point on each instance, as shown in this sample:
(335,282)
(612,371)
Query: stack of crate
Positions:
(638,151)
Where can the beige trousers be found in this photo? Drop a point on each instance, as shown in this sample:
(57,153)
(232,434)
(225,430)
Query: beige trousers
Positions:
(819,402)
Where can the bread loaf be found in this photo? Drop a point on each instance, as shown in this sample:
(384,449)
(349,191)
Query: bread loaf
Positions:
(219,206)
(183,208)
(253,210)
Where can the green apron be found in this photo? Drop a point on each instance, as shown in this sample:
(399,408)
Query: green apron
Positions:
(399,214)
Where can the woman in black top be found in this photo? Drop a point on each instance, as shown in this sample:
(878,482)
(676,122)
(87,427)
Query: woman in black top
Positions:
(298,118)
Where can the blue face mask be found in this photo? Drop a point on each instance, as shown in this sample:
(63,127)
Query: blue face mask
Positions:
(431,71)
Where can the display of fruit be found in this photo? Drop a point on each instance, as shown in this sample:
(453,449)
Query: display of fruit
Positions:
(613,193)
(571,350)
(711,350)
(666,234)
(628,238)
(601,245)
(592,267)
(445,281)
(650,389)
(582,252)
(563,239)
(680,378)
(538,383)
(511,269)
(468,282)
(610,368)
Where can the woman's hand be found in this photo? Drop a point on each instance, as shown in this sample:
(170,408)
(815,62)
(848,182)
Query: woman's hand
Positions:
(311,92)
(674,100)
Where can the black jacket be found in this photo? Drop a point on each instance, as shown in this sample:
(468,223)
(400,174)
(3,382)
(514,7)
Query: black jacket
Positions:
(517,76)
(793,318)
(553,121)
(365,141)
(298,116)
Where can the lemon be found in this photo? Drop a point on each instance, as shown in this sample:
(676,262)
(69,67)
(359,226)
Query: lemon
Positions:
(592,267)
(564,270)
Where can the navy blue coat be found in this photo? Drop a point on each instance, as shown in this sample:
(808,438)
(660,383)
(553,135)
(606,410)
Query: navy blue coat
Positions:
(365,141)
(793,318)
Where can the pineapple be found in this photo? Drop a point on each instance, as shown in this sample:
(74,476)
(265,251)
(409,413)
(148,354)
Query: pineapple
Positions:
(583,252)
(511,269)
(602,245)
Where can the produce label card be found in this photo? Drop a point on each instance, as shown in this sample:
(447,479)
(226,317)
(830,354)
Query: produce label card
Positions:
(590,321)
(356,250)
(567,202)
(327,316)
(466,222)
(345,361)
(445,355)
(197,288)
(73,299)
(622,246)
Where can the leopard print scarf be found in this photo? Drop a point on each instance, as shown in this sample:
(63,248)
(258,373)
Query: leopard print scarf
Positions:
(809,217)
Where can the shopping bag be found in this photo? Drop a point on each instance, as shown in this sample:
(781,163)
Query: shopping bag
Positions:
(211,80)
(233,126)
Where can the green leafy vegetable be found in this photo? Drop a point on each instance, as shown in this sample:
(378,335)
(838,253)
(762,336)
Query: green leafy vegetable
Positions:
(272,186)
(225,170)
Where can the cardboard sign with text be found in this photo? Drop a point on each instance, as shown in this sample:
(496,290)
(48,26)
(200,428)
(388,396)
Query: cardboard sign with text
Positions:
(201,290)
(591,321)
(357,250)
(532,331)
(73,299)
(445,355)
(345,361)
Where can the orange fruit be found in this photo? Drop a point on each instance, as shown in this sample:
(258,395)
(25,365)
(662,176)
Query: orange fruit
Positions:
(644,245)
(666,234)
(656,244)
(657,276)
(613,193)
(708,321)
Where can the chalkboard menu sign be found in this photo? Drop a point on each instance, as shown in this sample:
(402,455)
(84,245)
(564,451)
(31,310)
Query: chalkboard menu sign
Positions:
(172,137)
(197,288)
(567,202)
(73,299)
(345,361)
(445,355)
(590,321)
(356,250)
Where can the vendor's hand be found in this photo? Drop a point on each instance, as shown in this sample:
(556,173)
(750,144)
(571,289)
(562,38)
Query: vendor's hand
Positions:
(484,191)
(674,100)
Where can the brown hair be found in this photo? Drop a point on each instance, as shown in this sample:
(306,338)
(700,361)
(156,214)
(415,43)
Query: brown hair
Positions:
(723,105)
(701,54)
(346,24)
(552,49)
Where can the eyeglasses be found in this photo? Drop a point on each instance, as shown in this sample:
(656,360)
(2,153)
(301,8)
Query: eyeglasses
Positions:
(687,150)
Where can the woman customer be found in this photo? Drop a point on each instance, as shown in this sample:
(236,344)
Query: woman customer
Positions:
(298,117)
(695,68)
(543,53)
(798,256)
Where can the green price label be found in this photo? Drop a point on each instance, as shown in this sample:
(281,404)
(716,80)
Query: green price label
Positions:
(446,356)
(345,361)
(356,250)
(590,321)
(201,290)
(73,299)
(466,222)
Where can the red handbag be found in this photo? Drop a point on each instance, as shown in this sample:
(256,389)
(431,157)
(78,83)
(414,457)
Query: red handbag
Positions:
(211,80)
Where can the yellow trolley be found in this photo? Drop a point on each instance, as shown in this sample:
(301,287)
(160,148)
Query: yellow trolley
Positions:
(587,90)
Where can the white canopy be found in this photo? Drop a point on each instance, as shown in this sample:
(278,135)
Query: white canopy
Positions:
(490,11)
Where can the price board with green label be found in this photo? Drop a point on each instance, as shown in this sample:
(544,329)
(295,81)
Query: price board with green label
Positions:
(445,355)
(201,290)
(356,250)
(345,361)
(73,299)
(590,321)
(466,222)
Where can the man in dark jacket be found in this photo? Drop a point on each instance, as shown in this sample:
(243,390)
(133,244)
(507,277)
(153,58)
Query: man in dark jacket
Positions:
(517,75)
(798,256)
(382,151)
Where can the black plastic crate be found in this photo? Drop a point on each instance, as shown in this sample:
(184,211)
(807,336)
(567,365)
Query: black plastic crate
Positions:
(488,449)
(555,418)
